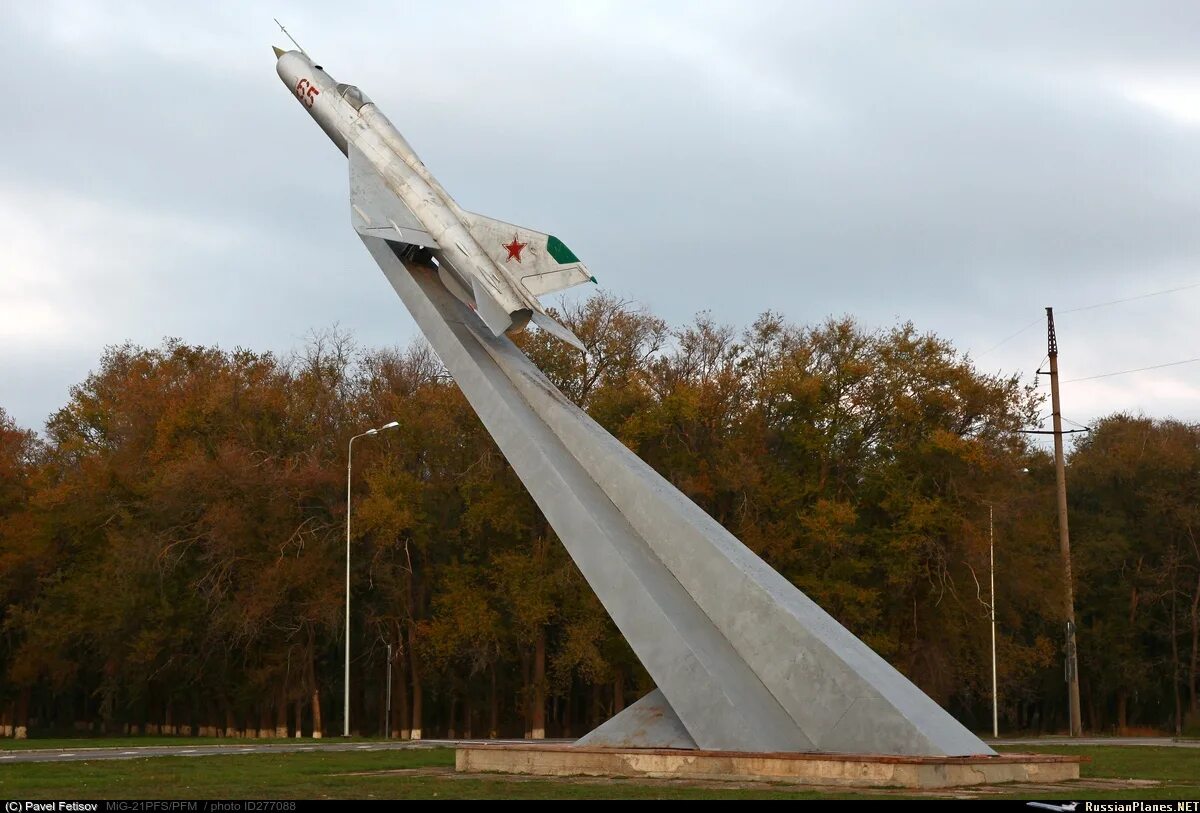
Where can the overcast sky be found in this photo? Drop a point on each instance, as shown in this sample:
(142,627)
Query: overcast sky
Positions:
(958,164)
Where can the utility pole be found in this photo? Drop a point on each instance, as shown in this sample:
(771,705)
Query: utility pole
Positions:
(1064,536)
(992,602)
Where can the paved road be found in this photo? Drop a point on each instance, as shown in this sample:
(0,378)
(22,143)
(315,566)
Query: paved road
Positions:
(82,754)
(1161,742)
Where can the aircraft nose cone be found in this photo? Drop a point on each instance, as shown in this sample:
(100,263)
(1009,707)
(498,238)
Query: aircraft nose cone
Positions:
(278,51)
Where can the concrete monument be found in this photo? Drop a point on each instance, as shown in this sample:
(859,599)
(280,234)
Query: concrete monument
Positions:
(743,661)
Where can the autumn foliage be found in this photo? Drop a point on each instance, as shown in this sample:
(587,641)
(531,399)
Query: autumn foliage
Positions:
(172,547)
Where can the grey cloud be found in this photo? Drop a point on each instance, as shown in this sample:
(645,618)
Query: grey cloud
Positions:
(959,164)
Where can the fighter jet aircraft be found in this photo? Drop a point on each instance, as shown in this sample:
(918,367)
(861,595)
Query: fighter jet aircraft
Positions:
(496,268)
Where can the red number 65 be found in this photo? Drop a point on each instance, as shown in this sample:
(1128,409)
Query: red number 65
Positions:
(306,92)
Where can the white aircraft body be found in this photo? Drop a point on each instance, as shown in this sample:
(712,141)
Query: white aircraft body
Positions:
(497,268)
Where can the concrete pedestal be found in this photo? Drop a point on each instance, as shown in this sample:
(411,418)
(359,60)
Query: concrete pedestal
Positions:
(848,770)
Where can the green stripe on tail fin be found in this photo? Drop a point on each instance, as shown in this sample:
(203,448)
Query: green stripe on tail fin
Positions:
(559,251)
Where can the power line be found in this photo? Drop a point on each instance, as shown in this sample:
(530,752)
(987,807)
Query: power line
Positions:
(1135,370)
(1012,336)
(1052,432)
(1132,298)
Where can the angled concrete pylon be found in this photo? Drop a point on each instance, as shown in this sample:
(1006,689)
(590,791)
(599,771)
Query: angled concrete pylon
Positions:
(742,659)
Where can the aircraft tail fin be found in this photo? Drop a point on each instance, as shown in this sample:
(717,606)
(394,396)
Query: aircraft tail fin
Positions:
(543,263)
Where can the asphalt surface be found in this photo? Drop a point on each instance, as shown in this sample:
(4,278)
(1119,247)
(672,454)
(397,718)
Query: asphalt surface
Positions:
(85,754)
(1158,742)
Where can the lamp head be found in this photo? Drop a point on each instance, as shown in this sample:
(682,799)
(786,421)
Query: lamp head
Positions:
(391,425)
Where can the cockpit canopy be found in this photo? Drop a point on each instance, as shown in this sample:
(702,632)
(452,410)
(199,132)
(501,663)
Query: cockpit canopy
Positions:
(353,95)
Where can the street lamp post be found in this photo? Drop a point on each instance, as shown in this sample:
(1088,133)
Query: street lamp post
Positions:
(349,469)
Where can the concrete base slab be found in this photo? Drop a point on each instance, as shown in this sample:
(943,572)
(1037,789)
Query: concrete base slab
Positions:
(846,770)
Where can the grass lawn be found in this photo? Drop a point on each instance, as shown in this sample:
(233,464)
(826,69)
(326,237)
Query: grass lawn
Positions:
(1173,765)
(316,775)
(151,742)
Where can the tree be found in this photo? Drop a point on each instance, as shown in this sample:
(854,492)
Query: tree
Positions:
(1135,490)
(171,552)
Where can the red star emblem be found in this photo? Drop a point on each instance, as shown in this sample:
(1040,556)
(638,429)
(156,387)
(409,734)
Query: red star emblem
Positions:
(514,250)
